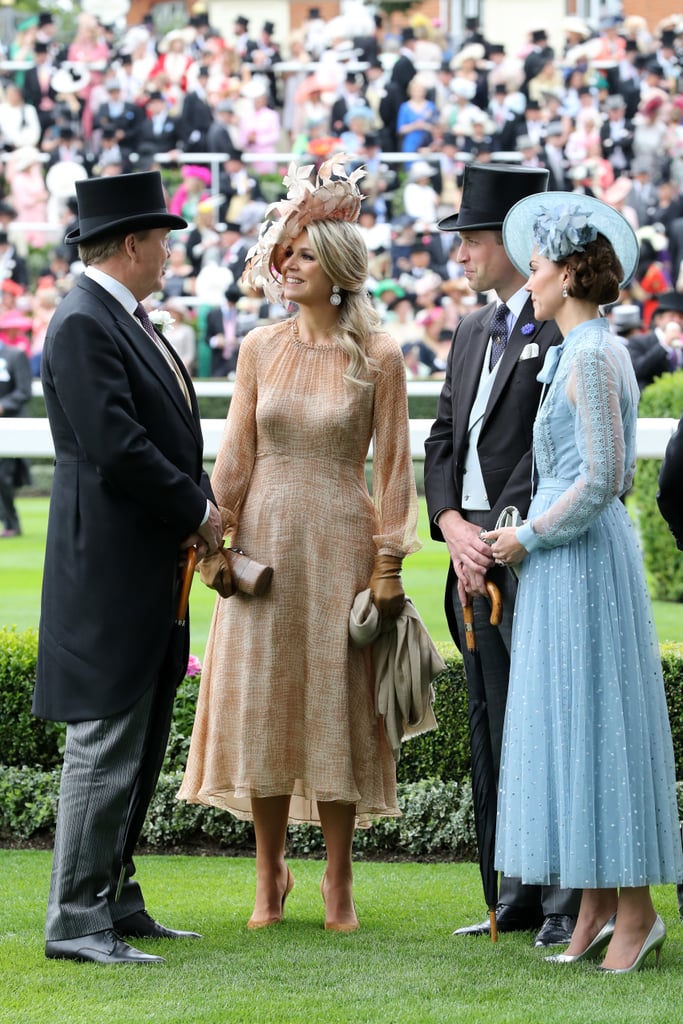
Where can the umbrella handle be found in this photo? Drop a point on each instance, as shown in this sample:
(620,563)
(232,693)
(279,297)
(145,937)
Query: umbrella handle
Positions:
(186,584)
(494,924)
(468,616)
(496,603)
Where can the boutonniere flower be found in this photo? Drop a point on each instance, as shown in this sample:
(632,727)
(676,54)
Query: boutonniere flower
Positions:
(527,329)
(162,319)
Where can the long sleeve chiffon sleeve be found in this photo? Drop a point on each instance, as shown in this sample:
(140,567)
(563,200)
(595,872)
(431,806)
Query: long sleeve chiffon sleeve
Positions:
(394,492)
(598,389)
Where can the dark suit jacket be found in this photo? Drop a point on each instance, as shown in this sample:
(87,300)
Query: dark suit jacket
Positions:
(15,380)
(151,142)
(194,122)
(128,487)
(670,494)
(506,434)
(649,358)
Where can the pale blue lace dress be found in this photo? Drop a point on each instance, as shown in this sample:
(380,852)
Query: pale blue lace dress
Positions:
(587,791)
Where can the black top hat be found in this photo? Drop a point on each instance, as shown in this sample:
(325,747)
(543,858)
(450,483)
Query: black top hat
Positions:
(313,13)
(121,202)
(489,192)
(6,209)
(45,18)
(670,302)
(268,27)
(667,38)
(40,47)
(539,35)
(407,34)
(241,20)
(496,48)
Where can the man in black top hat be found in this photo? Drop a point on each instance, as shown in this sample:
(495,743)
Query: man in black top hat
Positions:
(659,350)
(129,495)
(478,460)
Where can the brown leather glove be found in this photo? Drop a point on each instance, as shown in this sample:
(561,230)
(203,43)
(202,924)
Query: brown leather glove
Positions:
(385,583)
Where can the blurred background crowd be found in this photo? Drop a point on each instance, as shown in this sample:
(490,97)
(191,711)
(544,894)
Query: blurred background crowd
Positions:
(222,112)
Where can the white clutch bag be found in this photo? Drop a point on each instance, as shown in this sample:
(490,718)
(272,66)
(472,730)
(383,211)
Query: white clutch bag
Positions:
(510,516)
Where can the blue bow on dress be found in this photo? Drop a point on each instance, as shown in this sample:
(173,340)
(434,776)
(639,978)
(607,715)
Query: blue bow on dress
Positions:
(552,358)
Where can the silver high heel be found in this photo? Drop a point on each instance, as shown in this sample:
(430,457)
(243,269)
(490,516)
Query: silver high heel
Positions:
(655,940)
(592,951)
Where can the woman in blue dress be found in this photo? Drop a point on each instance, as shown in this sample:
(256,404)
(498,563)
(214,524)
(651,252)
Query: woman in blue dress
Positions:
(587,782)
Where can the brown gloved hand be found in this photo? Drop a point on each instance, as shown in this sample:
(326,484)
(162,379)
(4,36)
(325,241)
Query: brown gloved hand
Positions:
(386,586)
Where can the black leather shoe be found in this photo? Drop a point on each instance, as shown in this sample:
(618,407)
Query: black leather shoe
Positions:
(508,919)
(141,926)
(556,930)
(99,948)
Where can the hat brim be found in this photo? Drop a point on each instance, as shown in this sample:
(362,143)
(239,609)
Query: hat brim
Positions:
(140,222)
(453,223)
(518,235)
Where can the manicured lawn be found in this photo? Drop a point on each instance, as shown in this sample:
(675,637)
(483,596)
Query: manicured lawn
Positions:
(424,574)
(402,967)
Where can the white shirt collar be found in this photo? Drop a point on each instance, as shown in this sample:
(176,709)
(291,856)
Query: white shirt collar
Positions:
(114,287)
(516,304)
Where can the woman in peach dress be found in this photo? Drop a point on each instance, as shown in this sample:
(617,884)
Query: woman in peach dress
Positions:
(286,730)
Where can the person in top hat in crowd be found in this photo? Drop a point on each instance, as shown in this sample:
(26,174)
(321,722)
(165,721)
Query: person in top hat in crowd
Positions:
(616,135)
(226,325)
(196,115)
(660,350)
(15,394)
(159,129)
(129,490)
(402,74)
(37,89)
(626,319)
(244,46)
(123,116)
(478,461)
(540,52)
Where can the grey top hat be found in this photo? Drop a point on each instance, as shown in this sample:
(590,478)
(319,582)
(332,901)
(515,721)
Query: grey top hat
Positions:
(121,202)
(489,191)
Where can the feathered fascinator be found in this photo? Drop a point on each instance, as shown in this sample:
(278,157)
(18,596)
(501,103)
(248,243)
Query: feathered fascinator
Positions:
(333,195)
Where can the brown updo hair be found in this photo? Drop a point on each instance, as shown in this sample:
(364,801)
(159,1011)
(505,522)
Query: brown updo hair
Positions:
(595,273)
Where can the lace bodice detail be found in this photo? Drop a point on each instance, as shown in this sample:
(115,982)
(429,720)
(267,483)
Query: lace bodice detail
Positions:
(585,432)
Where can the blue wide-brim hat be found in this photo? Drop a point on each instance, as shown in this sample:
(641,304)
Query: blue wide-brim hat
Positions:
(121,202)
(518,228)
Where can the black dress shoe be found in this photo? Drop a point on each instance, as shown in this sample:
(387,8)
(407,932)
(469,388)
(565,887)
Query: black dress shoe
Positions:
(508,919)
(556,930)
(99,948)
(141,926)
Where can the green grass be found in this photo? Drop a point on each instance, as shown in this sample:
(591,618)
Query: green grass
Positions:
(402,967)
(21,561)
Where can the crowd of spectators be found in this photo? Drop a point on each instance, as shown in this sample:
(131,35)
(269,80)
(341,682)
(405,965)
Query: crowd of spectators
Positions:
(223,112)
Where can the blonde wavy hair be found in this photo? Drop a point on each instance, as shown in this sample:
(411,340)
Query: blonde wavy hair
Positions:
(342,253)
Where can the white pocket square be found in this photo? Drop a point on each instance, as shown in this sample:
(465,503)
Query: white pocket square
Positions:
(529,351)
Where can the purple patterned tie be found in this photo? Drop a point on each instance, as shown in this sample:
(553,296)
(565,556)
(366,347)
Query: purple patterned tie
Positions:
(499,334)
(141,314)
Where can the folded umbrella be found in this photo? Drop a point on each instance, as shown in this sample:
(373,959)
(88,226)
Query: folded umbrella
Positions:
(484,785)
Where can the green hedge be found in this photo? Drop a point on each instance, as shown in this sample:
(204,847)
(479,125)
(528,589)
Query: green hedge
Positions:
(663,562)
(433,773)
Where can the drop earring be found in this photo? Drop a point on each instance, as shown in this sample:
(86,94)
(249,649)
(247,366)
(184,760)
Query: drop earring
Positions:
(565,293)
(335,297)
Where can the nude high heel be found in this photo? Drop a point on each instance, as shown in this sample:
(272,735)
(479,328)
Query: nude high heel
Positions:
(266,922)
(336,926)
(592,950)
(654,941)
